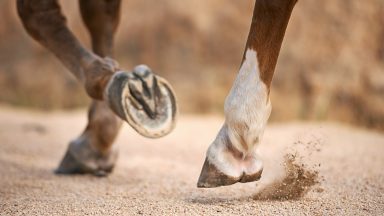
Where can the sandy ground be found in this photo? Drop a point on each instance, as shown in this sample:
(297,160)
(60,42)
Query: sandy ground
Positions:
(158,177)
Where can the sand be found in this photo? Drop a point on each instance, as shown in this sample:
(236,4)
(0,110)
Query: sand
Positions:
(335,170)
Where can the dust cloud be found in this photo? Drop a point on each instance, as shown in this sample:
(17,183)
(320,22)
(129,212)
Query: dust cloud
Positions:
(293,172)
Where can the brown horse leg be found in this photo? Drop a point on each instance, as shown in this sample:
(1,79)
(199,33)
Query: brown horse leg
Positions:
(93,151)
(149,117)
(144,100)
(44,21)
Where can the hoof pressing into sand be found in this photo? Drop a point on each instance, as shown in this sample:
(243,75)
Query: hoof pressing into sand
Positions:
(146,101)
(81,158)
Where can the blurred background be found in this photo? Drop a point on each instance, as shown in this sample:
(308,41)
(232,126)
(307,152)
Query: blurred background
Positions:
(331,66)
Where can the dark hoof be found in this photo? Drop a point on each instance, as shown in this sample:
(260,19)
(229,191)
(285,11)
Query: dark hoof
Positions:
(69,165)
(146,101)
(80,158)
(212,177)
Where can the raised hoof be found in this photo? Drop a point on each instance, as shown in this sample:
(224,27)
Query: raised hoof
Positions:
(211,177)
(80,158)
(146,101)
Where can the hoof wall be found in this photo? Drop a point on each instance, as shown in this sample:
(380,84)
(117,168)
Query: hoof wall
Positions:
(211,177)
(69,165)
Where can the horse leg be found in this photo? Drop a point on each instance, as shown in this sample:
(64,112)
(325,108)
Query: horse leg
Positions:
(93,151)
(233,155)
(146,101)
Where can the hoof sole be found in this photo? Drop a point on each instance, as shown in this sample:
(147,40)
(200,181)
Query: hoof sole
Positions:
(144,100)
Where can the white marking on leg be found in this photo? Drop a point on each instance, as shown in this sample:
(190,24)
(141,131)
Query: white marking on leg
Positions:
(247,109)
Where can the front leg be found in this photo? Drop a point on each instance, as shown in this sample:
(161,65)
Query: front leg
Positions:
(233,156)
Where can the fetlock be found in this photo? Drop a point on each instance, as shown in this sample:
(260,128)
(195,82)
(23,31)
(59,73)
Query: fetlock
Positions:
(97,75)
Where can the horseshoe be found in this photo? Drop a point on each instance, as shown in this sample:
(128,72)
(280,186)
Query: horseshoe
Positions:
(145,100)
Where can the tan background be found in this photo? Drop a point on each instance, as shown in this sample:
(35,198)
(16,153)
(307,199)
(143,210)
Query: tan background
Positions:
(331,64)
(330,68)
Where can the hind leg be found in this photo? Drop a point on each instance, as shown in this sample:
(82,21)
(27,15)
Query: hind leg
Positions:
(93,151)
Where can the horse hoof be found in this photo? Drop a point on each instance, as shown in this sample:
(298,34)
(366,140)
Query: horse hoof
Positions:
(212,177)
(81,158)
(144,100)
